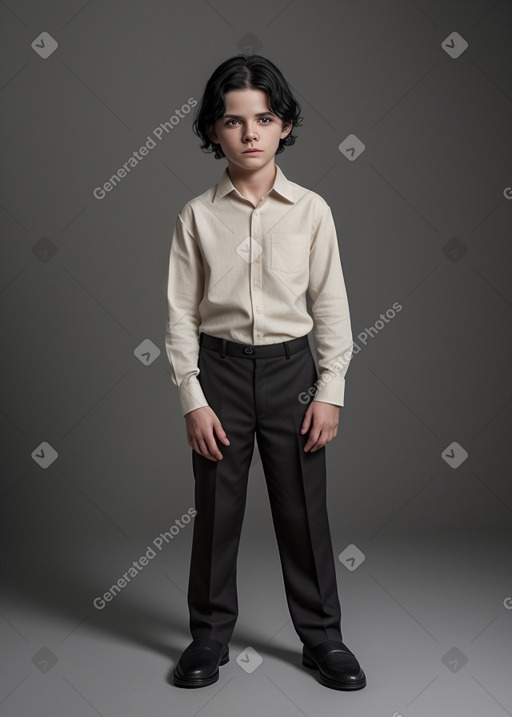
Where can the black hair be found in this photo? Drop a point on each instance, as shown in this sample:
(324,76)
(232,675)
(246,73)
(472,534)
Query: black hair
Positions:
(238,73)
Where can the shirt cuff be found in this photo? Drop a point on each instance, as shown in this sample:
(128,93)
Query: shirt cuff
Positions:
(331,391)
(192,396)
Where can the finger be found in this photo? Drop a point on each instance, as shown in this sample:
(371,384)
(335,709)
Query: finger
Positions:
(321,440)
(313,437)
(306,422)
(204,450)
(221,433)
(212,447)
(319,444)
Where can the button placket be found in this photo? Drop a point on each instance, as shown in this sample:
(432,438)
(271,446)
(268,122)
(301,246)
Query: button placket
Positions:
(256,279)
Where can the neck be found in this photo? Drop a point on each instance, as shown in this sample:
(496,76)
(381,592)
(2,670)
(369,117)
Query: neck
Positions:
(256,182)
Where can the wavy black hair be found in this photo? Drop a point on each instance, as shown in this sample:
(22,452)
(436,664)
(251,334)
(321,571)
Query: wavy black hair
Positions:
(238,73)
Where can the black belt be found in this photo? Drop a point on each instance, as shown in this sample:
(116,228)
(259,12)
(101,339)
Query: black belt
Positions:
(233,348)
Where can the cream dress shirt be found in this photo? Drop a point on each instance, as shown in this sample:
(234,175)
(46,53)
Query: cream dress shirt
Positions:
(244,273)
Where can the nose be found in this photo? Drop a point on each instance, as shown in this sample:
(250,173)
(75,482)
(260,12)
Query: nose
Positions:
(250,133)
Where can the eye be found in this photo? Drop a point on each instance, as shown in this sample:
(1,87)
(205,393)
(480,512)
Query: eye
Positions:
(266,120)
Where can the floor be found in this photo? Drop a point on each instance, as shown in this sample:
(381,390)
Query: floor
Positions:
(430,621)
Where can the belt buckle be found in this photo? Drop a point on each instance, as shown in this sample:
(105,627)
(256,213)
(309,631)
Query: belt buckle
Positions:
(248,350)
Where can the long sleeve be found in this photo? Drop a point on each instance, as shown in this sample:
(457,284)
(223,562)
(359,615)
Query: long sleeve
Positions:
(330,309)
(184,294)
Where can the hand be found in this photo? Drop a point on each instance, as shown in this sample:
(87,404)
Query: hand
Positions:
(324,419)
(202,426)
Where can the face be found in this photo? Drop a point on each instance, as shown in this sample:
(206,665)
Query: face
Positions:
(248,123)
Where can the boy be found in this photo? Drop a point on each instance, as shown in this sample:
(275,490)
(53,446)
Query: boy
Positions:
(243,257)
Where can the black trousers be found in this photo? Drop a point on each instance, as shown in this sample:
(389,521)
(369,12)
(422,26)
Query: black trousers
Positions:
(254,390)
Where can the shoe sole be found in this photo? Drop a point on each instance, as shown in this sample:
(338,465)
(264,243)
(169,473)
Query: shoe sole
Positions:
(333,684)
(198,681)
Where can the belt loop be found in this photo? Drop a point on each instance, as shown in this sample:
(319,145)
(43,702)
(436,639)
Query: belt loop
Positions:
(201,338)
(286,349)
(223,349)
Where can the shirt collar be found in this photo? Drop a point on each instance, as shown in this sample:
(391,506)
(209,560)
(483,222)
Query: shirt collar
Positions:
(281,185)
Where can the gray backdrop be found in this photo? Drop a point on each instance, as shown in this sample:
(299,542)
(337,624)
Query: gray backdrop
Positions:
(97,469)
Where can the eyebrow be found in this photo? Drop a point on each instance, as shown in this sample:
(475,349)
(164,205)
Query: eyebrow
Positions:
(260,114)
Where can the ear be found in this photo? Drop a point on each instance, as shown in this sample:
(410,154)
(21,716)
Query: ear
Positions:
(210,131)
(287,128)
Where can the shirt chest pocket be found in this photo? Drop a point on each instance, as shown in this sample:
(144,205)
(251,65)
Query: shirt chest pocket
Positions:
(289,253)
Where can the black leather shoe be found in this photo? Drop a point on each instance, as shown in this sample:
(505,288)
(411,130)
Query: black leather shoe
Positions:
(337,665)
(199,663)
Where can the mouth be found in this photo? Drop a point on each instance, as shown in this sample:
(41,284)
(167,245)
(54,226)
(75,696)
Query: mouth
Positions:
(252,151)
